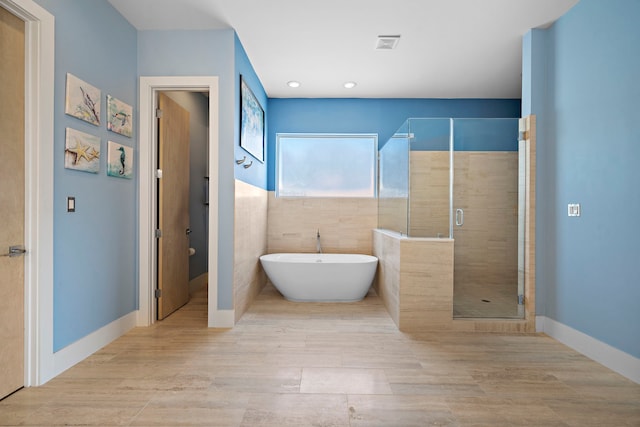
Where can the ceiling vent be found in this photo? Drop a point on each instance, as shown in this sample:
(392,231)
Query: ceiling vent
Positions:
(387,42)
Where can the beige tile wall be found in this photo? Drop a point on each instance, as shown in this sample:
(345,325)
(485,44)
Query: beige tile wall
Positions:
(415,280)
(392,214)
(426,279)
(250,238)
(345,224)
(387,282)
(429,205)
(486,188)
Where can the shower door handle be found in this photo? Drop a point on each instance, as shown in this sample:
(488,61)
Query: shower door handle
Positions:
(459,217)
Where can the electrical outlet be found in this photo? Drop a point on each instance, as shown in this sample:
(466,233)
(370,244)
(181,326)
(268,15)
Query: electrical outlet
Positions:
(573,209)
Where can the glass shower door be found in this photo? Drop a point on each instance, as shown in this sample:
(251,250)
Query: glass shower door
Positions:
(486,217)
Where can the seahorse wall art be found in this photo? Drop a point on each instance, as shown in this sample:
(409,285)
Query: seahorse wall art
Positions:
(119,160)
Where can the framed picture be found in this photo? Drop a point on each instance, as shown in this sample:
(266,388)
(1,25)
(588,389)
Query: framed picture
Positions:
(82,151)
(82,100)
(119,116)
(119,160)
(251,122)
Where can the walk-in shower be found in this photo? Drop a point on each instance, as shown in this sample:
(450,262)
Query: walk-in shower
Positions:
(461,179)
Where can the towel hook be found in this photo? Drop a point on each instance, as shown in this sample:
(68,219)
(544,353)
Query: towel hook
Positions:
(241,161)
(248,165)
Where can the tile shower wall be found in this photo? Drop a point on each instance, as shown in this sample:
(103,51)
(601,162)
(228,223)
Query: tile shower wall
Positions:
(486,187)
(429,201)
(250,235)
(392,214)
(345,224)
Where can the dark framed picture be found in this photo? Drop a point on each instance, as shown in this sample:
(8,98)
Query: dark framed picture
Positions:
(251,122)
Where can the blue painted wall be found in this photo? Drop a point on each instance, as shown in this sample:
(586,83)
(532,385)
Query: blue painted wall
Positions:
(204,53)
(381,116)
(590,148)
(498,134)
(95,255)
(256,174)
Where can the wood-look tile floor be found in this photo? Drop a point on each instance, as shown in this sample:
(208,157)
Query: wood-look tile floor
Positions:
(302,364)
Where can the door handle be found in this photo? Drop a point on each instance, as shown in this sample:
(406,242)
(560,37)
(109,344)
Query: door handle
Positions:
(14,251)
(459,217)
(187,231)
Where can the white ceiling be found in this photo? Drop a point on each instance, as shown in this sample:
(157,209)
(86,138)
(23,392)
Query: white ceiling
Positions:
(448,48)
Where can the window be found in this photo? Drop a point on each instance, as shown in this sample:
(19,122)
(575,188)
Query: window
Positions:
(326,165)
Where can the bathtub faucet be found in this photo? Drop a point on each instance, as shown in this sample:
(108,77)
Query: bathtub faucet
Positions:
(318,246)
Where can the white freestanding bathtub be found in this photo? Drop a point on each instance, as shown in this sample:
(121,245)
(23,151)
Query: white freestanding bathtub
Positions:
(320,277)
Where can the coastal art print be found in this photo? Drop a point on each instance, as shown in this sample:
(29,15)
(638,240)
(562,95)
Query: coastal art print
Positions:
(119,116)
(82,100)
(119,160)
(251,122)
(82,151)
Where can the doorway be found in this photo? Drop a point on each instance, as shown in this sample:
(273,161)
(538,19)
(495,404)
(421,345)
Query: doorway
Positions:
(183,146)
(150,88)
(173,232)
(487,219)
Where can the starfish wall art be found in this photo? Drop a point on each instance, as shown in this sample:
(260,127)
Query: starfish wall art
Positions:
(82,151)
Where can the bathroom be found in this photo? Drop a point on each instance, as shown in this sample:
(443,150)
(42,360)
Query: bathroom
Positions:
(346,225)
(85,282)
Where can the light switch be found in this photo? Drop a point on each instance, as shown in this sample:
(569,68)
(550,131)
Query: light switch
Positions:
(573,209)
(71,204)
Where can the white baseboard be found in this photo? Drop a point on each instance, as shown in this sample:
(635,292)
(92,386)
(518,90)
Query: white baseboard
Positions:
(614,359)
(222,319)
(85,347)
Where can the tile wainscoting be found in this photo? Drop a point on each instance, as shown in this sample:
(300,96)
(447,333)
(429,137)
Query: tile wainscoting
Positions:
(345,224)
(250,242)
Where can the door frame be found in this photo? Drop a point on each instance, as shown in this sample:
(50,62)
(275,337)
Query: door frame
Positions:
(39,143)
(147,259)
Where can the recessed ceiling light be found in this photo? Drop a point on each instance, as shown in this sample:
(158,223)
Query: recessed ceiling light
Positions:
(293,83)
(350,85)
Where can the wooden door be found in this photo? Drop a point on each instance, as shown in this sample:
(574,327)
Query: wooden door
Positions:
(173,206)
(12,71)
